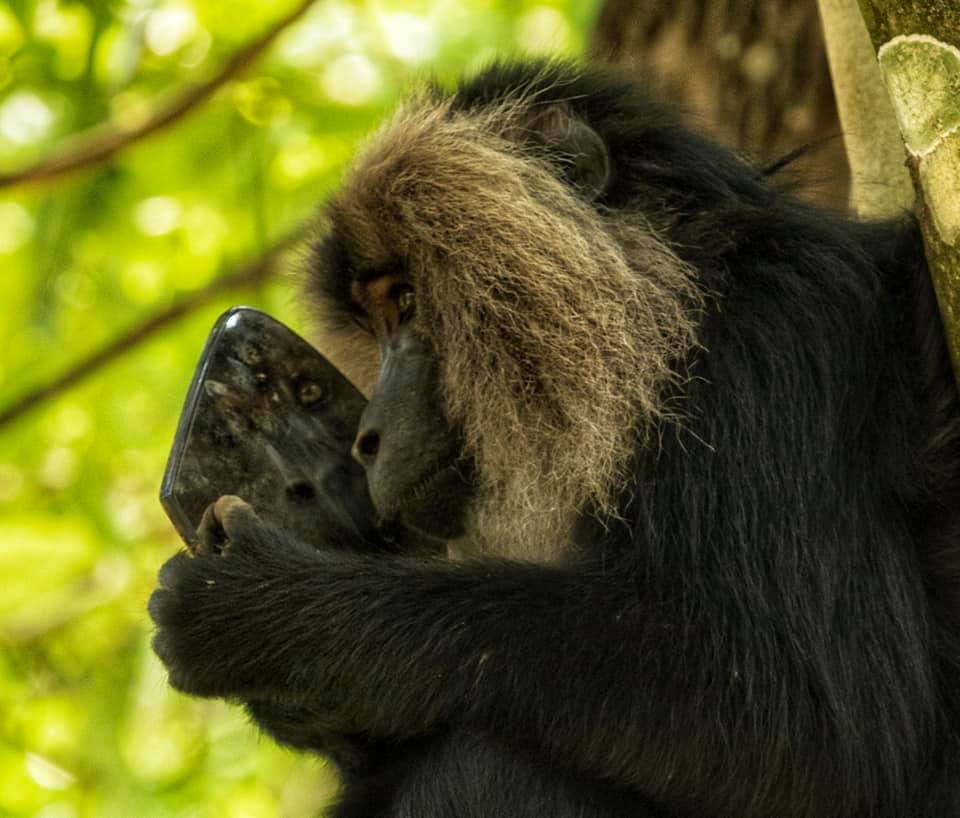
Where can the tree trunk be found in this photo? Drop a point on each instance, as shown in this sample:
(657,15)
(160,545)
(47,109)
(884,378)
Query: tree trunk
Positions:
(753,72)
(880,185)
(918,49)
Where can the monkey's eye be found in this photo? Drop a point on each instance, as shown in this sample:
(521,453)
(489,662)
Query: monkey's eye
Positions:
(406,301)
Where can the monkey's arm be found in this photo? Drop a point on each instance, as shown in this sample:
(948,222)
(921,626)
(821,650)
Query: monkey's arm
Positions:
(404,643)
(569,662)
(315,730)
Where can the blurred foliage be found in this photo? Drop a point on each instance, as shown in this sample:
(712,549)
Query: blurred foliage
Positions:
(88,725)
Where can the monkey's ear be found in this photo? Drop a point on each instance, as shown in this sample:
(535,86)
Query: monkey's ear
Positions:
(579,147)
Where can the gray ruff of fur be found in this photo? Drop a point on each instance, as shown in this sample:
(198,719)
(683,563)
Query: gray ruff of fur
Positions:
(558,326)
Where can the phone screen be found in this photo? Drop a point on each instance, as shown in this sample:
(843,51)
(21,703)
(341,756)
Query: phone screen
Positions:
(269,419)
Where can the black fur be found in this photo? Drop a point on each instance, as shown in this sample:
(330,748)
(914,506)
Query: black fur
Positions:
(771,631)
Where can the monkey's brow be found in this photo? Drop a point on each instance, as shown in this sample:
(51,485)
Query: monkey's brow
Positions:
(355,308)
(365,276)
(368,274)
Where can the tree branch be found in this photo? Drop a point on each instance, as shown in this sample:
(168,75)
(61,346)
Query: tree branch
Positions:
(251,274)
(104,141)
(880,185)
(918,51)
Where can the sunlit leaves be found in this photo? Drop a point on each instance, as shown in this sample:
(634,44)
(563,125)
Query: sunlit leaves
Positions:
(88,726)
(11,32)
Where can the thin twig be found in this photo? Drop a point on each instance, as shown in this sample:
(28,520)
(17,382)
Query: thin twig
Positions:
(251,274)
(104,141)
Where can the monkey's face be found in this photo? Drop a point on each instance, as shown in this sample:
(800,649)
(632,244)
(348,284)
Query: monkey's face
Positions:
(417,470)
(544,329)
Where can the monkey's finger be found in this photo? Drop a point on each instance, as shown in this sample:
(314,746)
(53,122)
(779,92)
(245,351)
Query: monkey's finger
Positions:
(235,515)
(213,536)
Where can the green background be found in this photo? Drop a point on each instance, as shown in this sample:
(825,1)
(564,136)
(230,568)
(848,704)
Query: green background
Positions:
(88,725)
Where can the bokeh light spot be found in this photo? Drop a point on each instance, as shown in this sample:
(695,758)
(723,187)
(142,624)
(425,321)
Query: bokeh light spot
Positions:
(169,28)
(59,468)
(351,79)
(25,117)
(542,30)
(205,228)
(11,34)
(11,482)
(143,280)
(57,810)
(157,215)
(48,775)
(306,44)
(409,37)
(16,226)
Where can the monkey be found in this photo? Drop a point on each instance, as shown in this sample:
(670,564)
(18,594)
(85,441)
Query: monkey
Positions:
(692,450)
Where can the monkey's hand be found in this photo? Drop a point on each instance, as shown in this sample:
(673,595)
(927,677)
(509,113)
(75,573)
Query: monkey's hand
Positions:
(397,647)
(219,611)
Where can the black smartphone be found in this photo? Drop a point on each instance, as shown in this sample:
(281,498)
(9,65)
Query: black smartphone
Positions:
(269,419)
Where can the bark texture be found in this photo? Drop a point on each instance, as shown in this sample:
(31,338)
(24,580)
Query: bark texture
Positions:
(753,72)
(918,49)
(880,184)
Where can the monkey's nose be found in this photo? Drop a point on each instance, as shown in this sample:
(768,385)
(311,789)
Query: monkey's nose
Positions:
(365,447)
